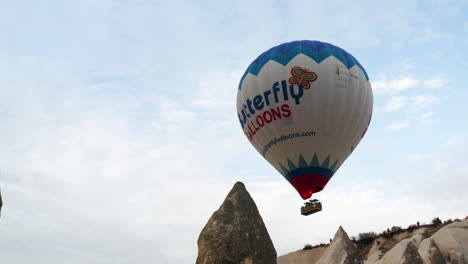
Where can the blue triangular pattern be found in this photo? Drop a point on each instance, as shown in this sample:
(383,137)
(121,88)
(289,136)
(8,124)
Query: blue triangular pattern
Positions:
(302,162)
(291,165)
(326,163)
(316,50)
(303,168)
(333,167)
(315,162)
(285,171)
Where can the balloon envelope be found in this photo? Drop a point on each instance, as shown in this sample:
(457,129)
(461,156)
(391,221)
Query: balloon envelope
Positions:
(305,105)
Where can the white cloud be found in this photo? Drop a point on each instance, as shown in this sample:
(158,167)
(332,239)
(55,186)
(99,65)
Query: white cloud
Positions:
(422,101)
(435,83)
(383,86)
(170,111)
(426,118)
(413,103)
(416,157)
(117,180)
(396,126)
(452,141)
(404,83)
(117,167)
(431,35)
(395,103)
(217,90)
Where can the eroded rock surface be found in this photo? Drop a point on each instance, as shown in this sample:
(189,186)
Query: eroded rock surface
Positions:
(235,233)
(449,245)
(411,255)
(405,252)
(452,240)
(430,253)
(301,256)
(340,251)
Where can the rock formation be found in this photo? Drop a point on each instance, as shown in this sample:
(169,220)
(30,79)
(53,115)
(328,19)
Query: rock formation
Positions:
(302,256)
(452,240)
(376,251)
(430,253)
(235,233)
(449,245)
(340,251)
(455,257)
(404,252)
(411,255)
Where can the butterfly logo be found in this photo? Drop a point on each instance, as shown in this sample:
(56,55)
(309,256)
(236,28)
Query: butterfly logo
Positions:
(302,77)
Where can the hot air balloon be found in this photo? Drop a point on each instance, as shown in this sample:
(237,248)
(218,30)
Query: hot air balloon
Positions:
(305,106)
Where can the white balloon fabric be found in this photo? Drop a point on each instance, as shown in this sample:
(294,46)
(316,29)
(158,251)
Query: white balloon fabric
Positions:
(305,105)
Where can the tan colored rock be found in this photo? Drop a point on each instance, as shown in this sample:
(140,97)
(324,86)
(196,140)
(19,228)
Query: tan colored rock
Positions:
(430,253)
(302,256)
(382,245)
(235,233)
(455,257)
(375,252)
(411,255)
(453,238)
(405,252)
(340,251)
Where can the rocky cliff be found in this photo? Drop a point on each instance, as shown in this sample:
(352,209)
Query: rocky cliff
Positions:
(452,242)
(404,252)
(449,245)
(235,233)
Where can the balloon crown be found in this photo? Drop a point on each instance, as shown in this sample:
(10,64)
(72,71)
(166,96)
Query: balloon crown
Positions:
(316,50)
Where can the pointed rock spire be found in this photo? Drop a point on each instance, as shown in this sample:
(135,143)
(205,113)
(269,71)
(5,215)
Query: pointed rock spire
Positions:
(340,251)
(411,255)
(235,233)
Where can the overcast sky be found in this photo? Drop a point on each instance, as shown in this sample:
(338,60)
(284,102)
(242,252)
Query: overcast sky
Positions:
(119,135)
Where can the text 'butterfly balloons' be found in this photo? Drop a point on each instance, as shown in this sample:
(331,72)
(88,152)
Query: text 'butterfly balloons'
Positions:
(305,105)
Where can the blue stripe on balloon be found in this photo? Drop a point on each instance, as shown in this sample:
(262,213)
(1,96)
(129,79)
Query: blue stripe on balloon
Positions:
(309,170)
(316,50)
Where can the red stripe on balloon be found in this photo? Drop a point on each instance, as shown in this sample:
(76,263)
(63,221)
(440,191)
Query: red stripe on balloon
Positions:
(307,184)
(363,133)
